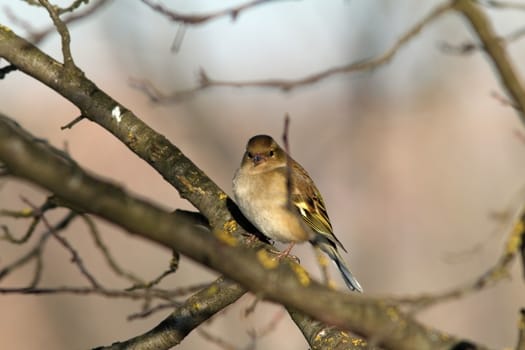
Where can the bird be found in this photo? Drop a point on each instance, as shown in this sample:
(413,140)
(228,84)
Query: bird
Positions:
(276,194)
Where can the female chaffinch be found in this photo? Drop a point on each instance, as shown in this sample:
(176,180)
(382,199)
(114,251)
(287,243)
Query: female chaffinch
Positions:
(287,212)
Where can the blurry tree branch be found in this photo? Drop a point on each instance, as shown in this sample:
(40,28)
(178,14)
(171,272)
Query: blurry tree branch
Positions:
(502,4)
(97,106)
(233,12)
(495,51)
(254,270)
(471,47)
(195,310)
(206,82)
(286,283)
(100,108)
(493,45)
(500,270)
(36,36)
(521,328)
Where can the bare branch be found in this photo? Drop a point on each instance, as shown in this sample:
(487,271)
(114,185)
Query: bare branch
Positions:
(36,251)
(494,274)
(233,12)
(6,70)
(103,113)
(363,315)
(502,4)
(154,148)
(289,184)
(521,330)
(495,51)
(174,264)
(75,257)
(185,318)
(34,213)
(205,82)
(112,263)
(320,336)
(63,31)
(150,310)
(72,123)
(37,36)
(217,340)
(112,293)
(468,47)
(74,5)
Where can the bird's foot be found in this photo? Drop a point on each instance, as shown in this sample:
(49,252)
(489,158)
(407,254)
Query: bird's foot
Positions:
(286,253)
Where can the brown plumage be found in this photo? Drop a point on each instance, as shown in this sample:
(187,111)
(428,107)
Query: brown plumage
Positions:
(260,188)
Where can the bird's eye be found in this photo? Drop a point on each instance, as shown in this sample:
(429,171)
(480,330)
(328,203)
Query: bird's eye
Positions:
(271,153)
(249,154)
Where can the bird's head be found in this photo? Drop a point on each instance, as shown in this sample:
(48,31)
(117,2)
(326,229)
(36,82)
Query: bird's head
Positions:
(263,153)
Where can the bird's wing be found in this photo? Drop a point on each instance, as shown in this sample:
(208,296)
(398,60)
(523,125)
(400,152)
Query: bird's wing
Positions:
(308,200)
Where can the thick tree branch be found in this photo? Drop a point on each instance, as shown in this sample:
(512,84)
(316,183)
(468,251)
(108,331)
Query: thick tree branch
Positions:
(320,336)
(197,309)
(194,186)
(286,283)
(99,107)
(154,148)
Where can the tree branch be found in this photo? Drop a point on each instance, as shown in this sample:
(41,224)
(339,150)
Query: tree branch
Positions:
(286,283)
(100,108)
(320,336)
(495,50)
(233,12)
(154,148)
(195,310)
(205,82)
(521,330)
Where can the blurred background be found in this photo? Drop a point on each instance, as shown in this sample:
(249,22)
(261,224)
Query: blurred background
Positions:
(416,160)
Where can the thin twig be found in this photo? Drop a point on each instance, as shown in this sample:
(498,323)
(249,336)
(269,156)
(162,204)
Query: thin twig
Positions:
(270,326)
(233,12)
(179,38)
(6,70)
(75,257)
(503,100)
(288,160)
(36,36)
(494,274)
(205,82)
(115,293)
(74,5)
(25,213)
(502,4)
(36,251)
(112,263)
(63,31)
(521,330)
(218,341)
(151,310)
(495,51)
(470,47)
(72,123)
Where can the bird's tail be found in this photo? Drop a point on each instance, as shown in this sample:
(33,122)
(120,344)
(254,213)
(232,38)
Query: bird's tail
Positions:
(334,254)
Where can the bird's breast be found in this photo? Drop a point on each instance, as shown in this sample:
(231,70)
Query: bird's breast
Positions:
(263,199)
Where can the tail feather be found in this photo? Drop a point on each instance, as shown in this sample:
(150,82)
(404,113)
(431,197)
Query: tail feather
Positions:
(334,254)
